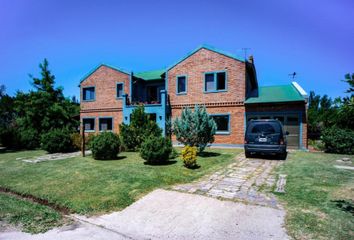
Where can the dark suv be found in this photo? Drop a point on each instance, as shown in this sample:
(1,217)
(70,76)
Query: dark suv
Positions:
(265,137)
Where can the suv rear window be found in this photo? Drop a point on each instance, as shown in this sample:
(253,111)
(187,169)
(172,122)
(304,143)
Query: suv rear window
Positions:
(265,128)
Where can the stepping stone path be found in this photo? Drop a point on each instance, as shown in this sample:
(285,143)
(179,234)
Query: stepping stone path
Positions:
(53,157)
(247,180)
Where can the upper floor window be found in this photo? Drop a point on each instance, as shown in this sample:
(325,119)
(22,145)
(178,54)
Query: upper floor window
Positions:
(89,124)
(105,124)
(88,93)
(181,84)
(120,90)
(222,123)
(215,82)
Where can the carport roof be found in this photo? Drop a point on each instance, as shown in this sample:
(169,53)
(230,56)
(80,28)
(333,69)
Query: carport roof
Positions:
(150,75)
(276,94)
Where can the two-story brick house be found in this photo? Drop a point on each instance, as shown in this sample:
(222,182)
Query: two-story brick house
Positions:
(227,85)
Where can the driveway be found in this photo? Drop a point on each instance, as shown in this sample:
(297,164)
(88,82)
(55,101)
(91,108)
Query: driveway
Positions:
(209,214)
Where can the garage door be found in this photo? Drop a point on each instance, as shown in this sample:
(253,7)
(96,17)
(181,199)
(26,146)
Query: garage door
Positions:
(291,123)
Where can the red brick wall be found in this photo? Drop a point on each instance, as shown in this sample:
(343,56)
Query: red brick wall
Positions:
(207,61)
(236,135)
(221,102)
(105,105)
(116,115)
(104,79)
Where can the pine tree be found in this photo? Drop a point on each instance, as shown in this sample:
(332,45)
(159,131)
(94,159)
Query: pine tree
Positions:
(195,128)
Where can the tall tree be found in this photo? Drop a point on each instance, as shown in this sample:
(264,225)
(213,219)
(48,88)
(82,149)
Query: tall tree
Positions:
(43,109)
(349,78)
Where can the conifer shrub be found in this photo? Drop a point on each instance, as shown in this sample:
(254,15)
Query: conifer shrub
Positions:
(105,146)
(156,149)
(195,128)
(140,127)
(189,156)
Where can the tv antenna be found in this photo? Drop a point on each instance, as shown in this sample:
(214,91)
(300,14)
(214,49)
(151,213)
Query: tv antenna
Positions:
(293,75)
(245,52)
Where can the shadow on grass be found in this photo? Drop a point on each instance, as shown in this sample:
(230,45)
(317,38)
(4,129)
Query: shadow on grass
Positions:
(344,205)
(194,167)
(208,154)
(114,159)
(161,163)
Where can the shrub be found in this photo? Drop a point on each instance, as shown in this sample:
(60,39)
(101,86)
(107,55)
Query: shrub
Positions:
(29,138)
(195,128)
(189,156)
(338,140)
(10,138)
(57,140)
(156,149)
(105,146)
(140,127)
(77,140)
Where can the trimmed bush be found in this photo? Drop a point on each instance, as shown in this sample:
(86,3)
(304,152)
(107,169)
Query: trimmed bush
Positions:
(338,140)
(189,156)
(156,149)
(57,140)
(104,146)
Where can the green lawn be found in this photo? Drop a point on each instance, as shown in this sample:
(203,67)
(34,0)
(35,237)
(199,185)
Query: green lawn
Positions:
(313,190)
(88,186)
(30,216)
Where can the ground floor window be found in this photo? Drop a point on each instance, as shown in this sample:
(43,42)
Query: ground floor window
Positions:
(222,123)
(89,124)
(105,124)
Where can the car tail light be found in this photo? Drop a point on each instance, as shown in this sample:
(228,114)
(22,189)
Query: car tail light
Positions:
(281,142)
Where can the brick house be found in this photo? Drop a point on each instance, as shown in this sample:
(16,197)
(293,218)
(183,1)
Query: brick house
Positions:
(227,85)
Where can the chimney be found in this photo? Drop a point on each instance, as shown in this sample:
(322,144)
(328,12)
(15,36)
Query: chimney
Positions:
(250,59)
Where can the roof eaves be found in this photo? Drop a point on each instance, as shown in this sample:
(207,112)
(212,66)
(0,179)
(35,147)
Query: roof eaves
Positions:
(100,65)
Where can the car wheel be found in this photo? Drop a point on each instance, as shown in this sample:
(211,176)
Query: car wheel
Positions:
(283,156)
(247,154)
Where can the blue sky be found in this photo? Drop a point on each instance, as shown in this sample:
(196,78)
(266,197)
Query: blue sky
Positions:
(313,38)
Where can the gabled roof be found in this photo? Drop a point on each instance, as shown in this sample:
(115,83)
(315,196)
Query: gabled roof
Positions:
(274,94)
(100,65)
(210,48)
(150,75)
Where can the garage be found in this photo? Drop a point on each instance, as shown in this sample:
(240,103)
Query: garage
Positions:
(288,104)
(291,123)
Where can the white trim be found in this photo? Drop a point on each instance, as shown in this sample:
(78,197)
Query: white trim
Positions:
(300,89)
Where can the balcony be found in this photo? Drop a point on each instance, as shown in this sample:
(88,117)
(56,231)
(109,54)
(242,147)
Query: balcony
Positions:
(155,108)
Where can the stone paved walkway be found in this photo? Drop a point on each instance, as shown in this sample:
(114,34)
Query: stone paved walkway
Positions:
(53,157)
(247,180)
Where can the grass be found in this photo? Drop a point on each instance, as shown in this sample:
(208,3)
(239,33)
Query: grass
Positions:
(319,198)
(30,216)
(89,186)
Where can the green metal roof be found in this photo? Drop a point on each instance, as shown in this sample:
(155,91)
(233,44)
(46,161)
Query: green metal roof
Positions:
(210,48)
(150,75)
(273,94)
